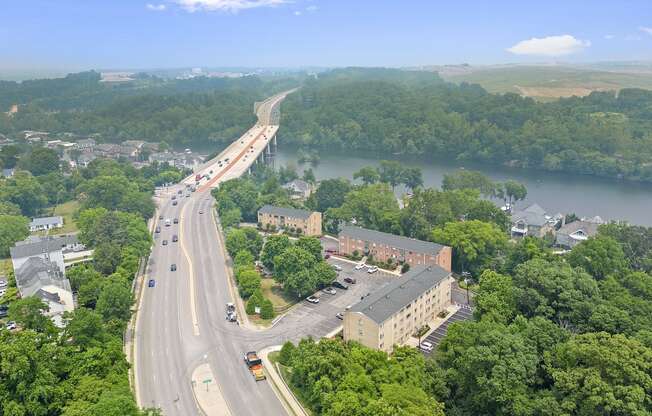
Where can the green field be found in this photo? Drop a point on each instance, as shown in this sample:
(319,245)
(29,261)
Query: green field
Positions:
(548,82)
(67,210)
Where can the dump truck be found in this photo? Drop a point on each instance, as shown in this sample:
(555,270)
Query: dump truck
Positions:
(255,365)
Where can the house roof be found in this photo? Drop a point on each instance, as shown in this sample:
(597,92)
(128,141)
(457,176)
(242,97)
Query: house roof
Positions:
(46,221)
(565,235)
(532,215)
(36,273)
(38,245)
(392,240)
(394,296)
(286,212)
(298,185)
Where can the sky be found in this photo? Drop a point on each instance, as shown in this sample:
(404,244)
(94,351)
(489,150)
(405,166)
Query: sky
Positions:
(134,34)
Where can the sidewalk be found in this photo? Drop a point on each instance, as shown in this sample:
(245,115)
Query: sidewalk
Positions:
(285,395)
(434,324)
(207,392)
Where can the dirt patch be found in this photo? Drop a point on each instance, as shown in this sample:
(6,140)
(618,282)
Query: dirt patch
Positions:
(556,92)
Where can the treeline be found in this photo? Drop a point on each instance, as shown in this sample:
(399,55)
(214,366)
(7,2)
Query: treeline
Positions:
(603,134)
(81,369)
(179,112)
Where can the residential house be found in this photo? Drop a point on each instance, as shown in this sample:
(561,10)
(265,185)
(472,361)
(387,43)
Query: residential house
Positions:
(309,223)
(162,158)
(137,144)
(43,278)
(85,158)
(52,248)
(392,314)
(533,221)
(45,223)
(571,234)
(86,144)
(385,247)
(108,150)
(298,189)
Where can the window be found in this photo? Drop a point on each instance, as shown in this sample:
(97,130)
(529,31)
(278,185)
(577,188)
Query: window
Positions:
(360,332)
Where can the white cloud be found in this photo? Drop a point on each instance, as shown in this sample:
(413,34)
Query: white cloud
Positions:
(312,8)
(549,46)
(609,37)
(226,5)
(156,7)
(647,30)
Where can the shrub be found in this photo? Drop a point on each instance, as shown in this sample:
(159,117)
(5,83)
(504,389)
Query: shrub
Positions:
(254,301)
(267,309)
(286,353)
(405,268)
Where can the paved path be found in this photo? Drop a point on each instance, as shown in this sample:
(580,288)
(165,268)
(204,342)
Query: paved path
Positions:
(207,392)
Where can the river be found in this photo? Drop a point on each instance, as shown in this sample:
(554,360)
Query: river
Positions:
(586,196)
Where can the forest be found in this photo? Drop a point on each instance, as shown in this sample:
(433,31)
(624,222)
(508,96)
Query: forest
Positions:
(179,112)
(413,114)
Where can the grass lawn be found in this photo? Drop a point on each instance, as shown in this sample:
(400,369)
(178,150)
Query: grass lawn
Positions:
(66,210)
(274,292)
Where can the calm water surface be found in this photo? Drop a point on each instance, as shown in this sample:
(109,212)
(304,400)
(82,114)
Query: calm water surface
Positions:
(584,195)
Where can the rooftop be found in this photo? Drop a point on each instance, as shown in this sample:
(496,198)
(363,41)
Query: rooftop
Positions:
(36,273)
(391,298)
(286,212)
(532,215)
(34,246)
(392,240)
(46,221)
(298,185)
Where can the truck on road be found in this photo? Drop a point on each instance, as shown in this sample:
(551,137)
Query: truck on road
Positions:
(255,365)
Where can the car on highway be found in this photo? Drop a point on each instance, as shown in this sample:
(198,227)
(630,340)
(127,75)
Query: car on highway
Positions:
(165,242)
(426,346)
(175,238)
(340,285)
(180,191)
(176,221)
(160,217)
(201,211)
(231,315)
(312,299)
(158,229)
(336,267)
(174,203)
(329,290)
(174,197)
(168,222)
(173,267)
(360,266)
(339,315)
(350,280)
(151,283)
(372,269)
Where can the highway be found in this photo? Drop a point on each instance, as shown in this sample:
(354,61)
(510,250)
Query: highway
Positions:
(180,322)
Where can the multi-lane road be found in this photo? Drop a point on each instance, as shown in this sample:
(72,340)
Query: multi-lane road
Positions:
(180,323)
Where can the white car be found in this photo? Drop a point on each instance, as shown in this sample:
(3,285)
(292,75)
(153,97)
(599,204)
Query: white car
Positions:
(312,299)
(426,346)
(329,290)
(372,269)
(360,266)
(336,267)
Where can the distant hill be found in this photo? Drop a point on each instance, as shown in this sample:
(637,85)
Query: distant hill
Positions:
(549,82)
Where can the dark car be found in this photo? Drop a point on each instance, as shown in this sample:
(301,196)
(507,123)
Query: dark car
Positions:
(4,311)
(173,267)
(151,283)
(180,191)
(174,197)
(340,285)
(350,280)
(158,229)
(165,242)
(175,238)
(174,202)
(176,221)
(160,217)
(327,256)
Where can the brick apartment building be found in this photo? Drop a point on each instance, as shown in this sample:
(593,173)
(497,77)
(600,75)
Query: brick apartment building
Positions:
(390,315)
(290,218)
(384,246)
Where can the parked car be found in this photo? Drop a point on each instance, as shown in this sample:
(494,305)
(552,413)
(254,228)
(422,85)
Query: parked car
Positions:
(3,283)
(336,267)
(331,250)
(339,315)
(329,290)
(160,217)
(312,299)
(173,267)
(426,346)
(4,311)
(151,283)
(175,238)
(2,292)
(372,269)
(158,228)
(165,242)
(350,280)
(180,191)
(174,197)
(360,266)
(340,285)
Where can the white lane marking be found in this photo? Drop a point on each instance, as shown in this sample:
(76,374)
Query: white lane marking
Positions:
(193,308)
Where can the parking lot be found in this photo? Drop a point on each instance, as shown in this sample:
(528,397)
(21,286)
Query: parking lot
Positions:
(435,337)
(318,320)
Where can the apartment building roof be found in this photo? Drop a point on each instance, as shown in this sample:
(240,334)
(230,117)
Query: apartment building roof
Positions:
(391,298)
(392,240)
(35,246)
(285,212)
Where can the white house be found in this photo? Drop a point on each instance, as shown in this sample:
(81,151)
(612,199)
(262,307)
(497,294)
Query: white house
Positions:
(45,223)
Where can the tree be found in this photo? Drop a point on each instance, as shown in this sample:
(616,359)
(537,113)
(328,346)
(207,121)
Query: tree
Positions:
(246,238)
(40,161)
(309,176)
(311,245)
(287,173)
(115,301)
(12,229)
(107,257)
(29,313)
(600,256)
(372,206)
(254,302)
(286,353)
(25,191)
(248,281)
(243,258)
(412,178)
(329,194)
(496,297)
(390,172)
(291,262)
(85,328)
(476,244)
(635,241)
(267,309)
(469,179)
(512,192)
(368,174)
(275,245)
